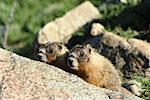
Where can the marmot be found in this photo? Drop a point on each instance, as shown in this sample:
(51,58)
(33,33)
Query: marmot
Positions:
(94,68)
(55,54)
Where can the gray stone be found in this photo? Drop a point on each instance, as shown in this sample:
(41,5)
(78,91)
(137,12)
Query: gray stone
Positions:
(96,29)
(147,72)
(135,90)
(25,79)
(61,29)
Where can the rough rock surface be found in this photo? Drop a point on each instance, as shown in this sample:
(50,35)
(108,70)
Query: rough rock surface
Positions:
(61,29)
(147,72)
(142,46)
(25,79)
(129,56)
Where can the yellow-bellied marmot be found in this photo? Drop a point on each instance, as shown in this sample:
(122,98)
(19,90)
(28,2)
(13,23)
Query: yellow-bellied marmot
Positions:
(94,68)
(55,54)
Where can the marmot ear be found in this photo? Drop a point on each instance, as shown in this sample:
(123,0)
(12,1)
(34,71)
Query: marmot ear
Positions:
(89,46)
(46,44)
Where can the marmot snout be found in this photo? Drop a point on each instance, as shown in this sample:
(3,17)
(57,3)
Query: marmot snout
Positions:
(78,55)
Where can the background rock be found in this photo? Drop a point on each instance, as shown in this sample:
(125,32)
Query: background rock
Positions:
(129,56)
(134,87)
(147,72)
(22,78)
(142,46)
(61,29)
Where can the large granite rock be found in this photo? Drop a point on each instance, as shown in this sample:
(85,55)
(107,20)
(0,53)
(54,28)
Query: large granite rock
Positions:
(25,79)
(61,29)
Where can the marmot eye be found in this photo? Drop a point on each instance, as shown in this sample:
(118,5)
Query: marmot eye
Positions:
(60,47)
(81,54)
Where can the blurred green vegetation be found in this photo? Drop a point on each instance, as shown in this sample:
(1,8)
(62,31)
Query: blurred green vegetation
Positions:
(29,17)
(125,19)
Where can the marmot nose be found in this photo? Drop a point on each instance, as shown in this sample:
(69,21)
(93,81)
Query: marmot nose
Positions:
(70,61)
(39,57)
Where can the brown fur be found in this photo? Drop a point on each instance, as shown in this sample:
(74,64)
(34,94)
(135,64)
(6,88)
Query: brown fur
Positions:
(95,69)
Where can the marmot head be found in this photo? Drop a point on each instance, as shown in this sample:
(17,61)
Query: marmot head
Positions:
(79,55)
(50,51)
